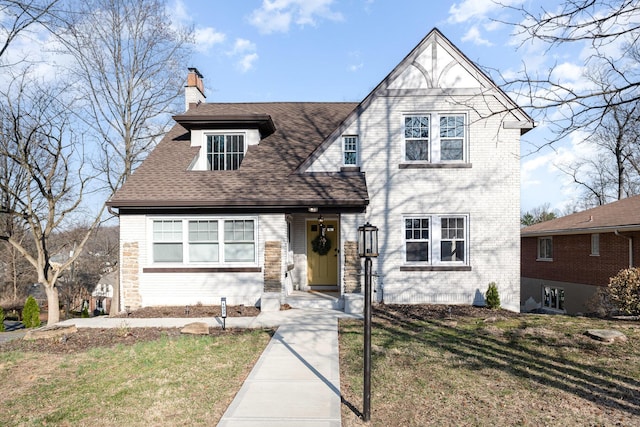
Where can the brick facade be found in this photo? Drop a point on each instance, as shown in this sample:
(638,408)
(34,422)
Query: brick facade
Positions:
(272,266)
(352,268)
(130,276)
(573,262)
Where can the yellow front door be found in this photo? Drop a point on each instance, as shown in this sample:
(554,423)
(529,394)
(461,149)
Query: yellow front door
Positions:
(322,269)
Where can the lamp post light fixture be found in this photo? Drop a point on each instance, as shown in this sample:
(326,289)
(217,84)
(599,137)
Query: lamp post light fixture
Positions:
(367,248)
(223,314)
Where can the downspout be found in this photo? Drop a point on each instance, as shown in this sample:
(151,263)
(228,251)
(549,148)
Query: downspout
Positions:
(617,233)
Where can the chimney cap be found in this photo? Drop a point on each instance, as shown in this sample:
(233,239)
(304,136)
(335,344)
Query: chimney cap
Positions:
(195,70)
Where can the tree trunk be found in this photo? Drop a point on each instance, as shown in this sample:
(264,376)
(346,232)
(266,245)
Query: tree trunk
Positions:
(53,302)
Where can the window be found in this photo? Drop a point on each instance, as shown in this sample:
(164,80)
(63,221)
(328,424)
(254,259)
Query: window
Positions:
(436,240)
(350,150)
(451,137)
(167,241)
(446,144)
(595,244)
(203,241)
(239,241)
(417,239)
(452,241)
(553,298)
(416,137)
(545,248)
(225,152)
(197,241)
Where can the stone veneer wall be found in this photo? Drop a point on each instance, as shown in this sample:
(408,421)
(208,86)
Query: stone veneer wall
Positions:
(130,276)
(352,268)
(272,266)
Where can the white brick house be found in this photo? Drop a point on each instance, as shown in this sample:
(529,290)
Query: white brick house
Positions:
(232,201)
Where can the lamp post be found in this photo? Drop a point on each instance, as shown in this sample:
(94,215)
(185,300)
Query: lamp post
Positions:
(367,248)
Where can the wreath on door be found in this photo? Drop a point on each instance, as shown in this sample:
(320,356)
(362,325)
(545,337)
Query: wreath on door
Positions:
(321,244)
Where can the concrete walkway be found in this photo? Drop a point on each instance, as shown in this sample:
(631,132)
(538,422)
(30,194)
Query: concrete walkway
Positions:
(296,381)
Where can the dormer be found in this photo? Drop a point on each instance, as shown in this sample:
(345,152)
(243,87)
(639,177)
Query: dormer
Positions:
(223,139)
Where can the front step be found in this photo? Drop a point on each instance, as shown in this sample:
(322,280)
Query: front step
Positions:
(316,299)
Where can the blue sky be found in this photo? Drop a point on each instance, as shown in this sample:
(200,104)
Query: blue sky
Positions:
(332,50)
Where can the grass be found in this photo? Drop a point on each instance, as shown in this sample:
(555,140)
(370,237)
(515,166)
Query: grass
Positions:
(529,370)
(183,380)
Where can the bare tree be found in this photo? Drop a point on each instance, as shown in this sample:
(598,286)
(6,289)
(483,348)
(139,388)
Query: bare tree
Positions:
(19,15)
(610,28)
(128,66)
(538,214)
(47,183)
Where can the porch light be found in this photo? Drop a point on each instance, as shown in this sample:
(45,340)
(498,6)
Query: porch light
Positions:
(368,241)
(320,220)
(313,209)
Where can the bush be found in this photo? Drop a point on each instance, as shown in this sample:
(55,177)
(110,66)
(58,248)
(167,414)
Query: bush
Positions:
(491,297)
(624,291)
(85,313)
(31,313)
(1,320)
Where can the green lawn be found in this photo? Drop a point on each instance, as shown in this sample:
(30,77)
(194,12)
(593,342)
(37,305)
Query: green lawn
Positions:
(183,380)
(523,370)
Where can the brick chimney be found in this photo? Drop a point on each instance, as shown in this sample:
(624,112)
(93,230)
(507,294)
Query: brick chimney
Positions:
(194,91)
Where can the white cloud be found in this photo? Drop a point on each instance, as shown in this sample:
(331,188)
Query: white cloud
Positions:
(245,50)
(206,38)
(246,62)
(278,15)
(476,9)
(473,35)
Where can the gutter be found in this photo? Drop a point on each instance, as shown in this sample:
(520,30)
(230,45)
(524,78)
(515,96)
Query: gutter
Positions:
(617,233)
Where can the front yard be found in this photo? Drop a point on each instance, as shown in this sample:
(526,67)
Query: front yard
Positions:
(432,367)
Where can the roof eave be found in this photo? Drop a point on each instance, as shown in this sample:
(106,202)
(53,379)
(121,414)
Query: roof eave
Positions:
(585,230)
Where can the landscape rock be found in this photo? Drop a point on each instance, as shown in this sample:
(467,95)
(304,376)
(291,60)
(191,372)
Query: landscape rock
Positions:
(54,331)
(195,328)
(607,336)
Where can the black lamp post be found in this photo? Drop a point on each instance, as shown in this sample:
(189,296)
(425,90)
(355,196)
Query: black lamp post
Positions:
(367,248)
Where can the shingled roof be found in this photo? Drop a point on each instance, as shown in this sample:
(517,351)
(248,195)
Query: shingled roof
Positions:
(621,215)
(265,181)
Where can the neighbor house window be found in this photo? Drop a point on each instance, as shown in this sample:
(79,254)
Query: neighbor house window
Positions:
(595,244)
(416,138)
(225,152)
(553,298)
(545,248)
(350,150)
(435,138)
(198,241)
(435,239)
(167,241)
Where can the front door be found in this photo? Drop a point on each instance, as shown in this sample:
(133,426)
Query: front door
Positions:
(322,255)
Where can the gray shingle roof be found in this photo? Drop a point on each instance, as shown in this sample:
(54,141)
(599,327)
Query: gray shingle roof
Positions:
(266,178)
(623,215)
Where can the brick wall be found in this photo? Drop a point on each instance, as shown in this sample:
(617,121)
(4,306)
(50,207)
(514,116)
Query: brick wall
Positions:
(352,268)
(573,262)
(272,266)
(130,276)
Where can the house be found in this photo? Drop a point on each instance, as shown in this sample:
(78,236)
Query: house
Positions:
(250,201)
(565,260)
(102,293)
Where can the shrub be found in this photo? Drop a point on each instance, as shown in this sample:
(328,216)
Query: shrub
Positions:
(85,312)
(491,297)
(31,313)
(1,320)
(624,291)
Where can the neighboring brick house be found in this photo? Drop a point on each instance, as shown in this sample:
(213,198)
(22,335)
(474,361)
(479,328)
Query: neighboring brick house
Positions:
(236,198)
(565,260)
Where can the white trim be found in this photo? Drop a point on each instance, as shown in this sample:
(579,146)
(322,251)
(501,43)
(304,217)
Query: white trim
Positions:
(595,244)
(538,257)
(435,239)
(434,141)
(357,150)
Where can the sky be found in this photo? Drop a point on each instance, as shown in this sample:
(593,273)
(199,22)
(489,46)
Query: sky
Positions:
(339,50)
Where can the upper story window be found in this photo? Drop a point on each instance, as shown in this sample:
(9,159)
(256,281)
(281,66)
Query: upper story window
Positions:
(436,239)
(435,138)
(225,152)
(545,248)
(350,150)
